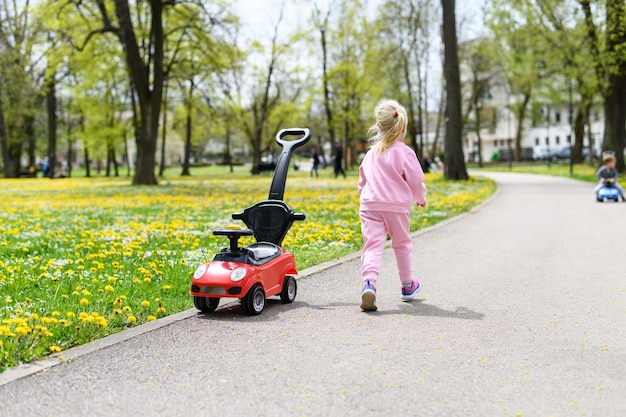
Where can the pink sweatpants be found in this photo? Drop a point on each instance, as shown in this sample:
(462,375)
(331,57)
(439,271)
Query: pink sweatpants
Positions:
(375,225)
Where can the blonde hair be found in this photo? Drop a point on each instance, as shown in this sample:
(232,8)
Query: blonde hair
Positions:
(391,123)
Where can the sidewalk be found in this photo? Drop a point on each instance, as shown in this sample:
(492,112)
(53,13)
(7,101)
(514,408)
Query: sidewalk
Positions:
(522,313)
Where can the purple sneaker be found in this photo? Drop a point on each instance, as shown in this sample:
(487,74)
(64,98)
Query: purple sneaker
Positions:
(409,291)
(368,297)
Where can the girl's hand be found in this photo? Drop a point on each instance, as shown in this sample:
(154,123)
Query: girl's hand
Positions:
(421,204)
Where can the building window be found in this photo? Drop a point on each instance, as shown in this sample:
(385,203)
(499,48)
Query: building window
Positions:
(557,117)
(547,141)
(536,141)
(558,140)
(569,138)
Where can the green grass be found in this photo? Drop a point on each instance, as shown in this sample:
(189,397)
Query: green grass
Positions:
(581,172)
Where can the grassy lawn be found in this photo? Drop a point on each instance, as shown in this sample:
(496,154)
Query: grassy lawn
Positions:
(562,169)
(84,258)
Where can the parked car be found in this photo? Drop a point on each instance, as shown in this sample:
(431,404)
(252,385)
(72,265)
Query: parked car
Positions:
(541,153)
(564,153)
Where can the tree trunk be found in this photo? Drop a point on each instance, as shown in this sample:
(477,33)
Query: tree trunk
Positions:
(4,143)
(148,81)
(477,110)
(409,87)
(51,105)
(579,134)
(615,98)
(29,130)
(87,162)
(433,149)
(454,167)
(107,172)
(164,128)
(327,105)
(187,151)
(521,115)
(126,155)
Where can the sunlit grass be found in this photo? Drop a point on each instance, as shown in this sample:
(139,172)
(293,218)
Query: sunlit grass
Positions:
(582,172)
(83,258)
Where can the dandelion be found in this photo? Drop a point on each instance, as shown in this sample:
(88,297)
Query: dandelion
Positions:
(111,279)
(145,303)
(147,280)
(109,288)
(127,309)
(70,314)
(151,318)
(137,281)
(55,314)
(131,319)
(6,331)
(161,310)
(55,349)
(167,287)
(84,302)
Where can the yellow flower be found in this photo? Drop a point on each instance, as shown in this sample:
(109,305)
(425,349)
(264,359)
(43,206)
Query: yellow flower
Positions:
(127,309)
(147,280)
(131,319)
(84,302)
(70,314)
(109,288)
(6,331)
(112,279)
(55,314)
(151,318)
(161,310)
(167,287)
(55,349)
(136,281)
(145,303)
(23,330)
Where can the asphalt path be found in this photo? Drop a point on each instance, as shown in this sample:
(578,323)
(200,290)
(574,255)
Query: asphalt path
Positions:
(522,313)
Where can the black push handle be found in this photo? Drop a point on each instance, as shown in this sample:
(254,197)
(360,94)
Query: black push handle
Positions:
(298,216)
(238,216)
(277,189)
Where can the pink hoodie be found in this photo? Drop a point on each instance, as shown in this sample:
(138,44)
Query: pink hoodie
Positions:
(392,180)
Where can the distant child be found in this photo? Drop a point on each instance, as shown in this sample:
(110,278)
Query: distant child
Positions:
(390,180)
(315,160)
(607,174)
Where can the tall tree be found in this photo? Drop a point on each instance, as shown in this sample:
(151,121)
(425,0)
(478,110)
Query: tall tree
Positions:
(610,66)
(454,161)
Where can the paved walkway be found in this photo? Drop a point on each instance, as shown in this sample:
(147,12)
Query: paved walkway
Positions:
(523,313)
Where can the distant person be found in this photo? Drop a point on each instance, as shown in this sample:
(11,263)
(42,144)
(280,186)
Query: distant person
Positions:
(426,164)
(390,180)
(439,163)
(45,167)
(607,174)
(338,161)
(315,163)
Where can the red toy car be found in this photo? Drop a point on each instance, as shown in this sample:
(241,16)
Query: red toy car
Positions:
(263,269)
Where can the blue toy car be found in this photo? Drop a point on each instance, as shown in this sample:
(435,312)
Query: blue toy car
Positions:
(607,192)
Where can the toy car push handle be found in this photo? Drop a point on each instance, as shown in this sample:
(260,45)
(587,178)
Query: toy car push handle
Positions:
(277,189)
(298,216)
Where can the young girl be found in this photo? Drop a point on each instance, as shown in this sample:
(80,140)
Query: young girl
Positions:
(390,179)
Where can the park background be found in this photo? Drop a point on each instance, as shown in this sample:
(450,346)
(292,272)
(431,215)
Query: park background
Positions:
(152,92)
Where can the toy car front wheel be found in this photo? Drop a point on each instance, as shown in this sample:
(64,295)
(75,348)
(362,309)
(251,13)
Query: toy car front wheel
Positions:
(290,289)
(206,304)
(253,302)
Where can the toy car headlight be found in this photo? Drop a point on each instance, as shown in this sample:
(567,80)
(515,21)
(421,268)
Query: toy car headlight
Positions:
(238,274)
(200,271)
